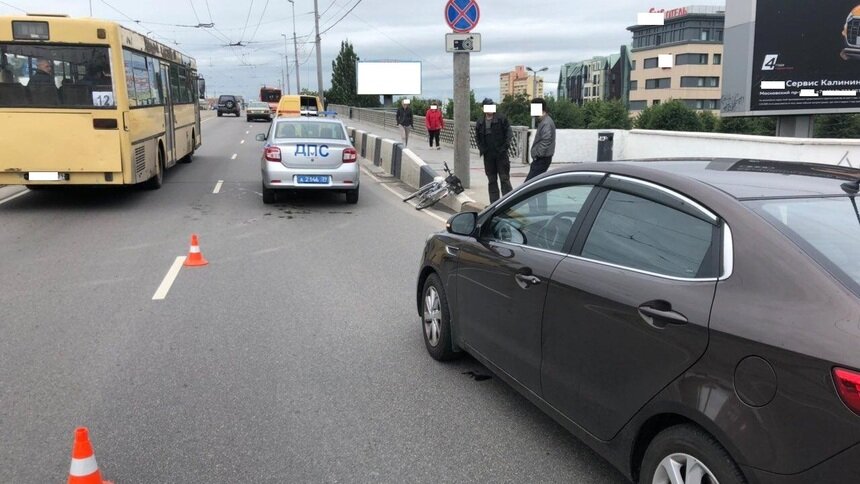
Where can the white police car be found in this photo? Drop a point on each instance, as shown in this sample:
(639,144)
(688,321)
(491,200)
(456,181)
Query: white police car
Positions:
(309,154)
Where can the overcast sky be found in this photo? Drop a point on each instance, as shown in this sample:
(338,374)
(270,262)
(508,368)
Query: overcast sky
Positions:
(539,34)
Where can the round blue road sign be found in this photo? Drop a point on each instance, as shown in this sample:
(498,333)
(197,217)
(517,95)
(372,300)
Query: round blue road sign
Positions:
(462,15)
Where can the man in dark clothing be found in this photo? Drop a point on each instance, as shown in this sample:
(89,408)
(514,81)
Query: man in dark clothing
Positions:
(493,135)
(404,121)
(543,147)
(44,74)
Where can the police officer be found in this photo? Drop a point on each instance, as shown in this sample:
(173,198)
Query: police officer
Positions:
(493,135)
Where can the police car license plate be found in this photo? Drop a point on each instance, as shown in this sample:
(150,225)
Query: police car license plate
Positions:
(312,179)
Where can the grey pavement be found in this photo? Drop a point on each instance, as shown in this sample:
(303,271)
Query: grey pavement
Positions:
(295,356)
(433,157)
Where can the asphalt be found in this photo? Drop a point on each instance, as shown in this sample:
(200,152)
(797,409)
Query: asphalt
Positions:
(294,356)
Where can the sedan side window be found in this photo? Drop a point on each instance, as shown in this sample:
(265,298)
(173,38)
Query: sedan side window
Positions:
(543,220)
(641,234)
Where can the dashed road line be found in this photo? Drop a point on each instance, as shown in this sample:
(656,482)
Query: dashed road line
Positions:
(164,288)
(242,142)
(235,155)
(13,197)
(247,132)
(218,187)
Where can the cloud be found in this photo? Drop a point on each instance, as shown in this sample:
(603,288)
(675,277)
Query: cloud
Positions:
(547,33)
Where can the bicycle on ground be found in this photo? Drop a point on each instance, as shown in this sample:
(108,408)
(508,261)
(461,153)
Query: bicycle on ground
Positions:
(431,193)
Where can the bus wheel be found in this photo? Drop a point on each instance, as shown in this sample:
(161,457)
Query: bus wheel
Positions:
(157,180)
(190,156)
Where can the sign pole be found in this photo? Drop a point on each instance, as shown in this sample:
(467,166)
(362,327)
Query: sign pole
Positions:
(462,118)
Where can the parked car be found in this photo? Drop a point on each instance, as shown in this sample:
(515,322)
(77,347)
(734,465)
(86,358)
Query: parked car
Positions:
(309,154)
(692,321)
(228,104)
(258,110)
(299,105)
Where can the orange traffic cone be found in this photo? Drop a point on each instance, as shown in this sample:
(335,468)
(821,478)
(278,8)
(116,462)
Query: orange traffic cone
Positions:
(84,469)
(195,258)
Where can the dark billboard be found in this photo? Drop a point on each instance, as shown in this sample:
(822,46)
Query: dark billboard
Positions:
(806,56)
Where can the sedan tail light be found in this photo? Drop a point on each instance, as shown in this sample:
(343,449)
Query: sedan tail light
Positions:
(350,155)
(848,386)
(273,153)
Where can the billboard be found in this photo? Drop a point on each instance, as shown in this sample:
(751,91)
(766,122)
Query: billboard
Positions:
(388,78)
(791,57)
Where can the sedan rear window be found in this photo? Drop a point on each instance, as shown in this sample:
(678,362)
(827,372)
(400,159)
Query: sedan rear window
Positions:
(827,229)
(309,130)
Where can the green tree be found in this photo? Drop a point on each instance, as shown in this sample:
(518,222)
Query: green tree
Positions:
(709,121)
(669,116)
(565,114)
(344,89)
(610,115)
(476,110)
(837,126)
(759,126)
(517,109)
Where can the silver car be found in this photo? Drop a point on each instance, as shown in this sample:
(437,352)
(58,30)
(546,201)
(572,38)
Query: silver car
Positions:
(309,154)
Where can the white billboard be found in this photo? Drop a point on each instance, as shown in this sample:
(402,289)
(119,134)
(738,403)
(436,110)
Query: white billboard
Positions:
(389,78)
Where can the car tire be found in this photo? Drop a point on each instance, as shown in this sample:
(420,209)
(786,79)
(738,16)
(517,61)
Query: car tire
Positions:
(248,118)
(436,328)
(268,195)
(219,114)
(688,447)
(352,196)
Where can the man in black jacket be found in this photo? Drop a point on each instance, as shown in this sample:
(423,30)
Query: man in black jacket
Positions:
(44,74)
(404,121)
(493,135)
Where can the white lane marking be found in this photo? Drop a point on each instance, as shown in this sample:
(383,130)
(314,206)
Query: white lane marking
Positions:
(431,214)
(164,288)
(13,197)
(218,186)
(235,155)
(242,142)
(247,132)
(207,119)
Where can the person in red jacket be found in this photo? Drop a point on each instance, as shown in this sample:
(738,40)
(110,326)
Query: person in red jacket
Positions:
(435,124)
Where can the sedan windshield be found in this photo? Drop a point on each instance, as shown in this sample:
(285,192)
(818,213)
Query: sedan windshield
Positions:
(50,75)
(828,229)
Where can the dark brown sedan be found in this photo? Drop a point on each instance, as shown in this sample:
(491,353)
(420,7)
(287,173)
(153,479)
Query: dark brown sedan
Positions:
(692,321)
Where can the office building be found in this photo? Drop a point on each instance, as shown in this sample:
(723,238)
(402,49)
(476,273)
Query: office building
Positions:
(519,81)
(597,79)
(681,59)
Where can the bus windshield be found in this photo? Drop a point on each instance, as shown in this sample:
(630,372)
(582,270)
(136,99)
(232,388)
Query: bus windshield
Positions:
(51,75)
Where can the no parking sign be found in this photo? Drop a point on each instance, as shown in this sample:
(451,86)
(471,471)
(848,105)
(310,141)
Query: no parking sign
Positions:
(462,15)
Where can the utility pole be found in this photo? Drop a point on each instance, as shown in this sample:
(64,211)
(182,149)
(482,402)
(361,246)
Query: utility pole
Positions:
(462,117)
(296,48)
(534,85)
(319,53)
(91,8)
(287,64)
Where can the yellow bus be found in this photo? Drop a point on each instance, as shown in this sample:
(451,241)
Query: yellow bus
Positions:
(89,102)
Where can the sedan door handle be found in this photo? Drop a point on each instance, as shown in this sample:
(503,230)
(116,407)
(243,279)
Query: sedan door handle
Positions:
(525,281)
(452,251)
(659,314)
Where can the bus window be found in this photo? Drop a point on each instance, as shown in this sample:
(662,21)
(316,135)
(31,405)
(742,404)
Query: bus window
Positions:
(51,75)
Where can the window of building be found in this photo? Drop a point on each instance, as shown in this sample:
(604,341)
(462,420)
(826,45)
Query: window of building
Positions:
(718,59)
(656,102)
(651,63)
(711,104)
(634,85)
(662,83)
(687,59)
(705,35)
(633,66)
(688,81)
(638,105)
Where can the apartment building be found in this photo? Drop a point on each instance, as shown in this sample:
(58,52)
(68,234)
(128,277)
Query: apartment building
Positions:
(681,59)
(519,81)
(599,78)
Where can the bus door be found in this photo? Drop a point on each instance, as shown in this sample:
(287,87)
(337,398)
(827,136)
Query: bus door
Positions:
(198,96)
(169,126)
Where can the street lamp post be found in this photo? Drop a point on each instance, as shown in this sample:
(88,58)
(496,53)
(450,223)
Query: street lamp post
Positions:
(534,85)
(319,52)
(296,48)
(286,64)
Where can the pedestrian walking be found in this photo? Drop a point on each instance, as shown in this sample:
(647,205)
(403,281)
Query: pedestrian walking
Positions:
(435,124)
(543,147)
(404,121)
(493,135)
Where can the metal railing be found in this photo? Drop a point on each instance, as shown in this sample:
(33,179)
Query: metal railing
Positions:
(518,150)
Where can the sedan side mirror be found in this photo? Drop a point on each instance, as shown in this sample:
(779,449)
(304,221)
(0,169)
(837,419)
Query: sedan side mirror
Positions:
(463,224)
(261,137)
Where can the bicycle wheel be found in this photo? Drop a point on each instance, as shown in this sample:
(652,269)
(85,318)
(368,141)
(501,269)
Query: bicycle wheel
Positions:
(432,199)
(421,191)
